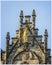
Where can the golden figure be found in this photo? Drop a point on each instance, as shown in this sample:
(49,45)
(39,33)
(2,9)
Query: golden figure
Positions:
(25,37)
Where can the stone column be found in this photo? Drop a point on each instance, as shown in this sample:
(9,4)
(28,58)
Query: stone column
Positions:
(33,18)
(7,45)
(21,19)
(45,44)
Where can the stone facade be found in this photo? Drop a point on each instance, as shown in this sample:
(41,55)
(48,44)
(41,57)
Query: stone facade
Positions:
(27,47)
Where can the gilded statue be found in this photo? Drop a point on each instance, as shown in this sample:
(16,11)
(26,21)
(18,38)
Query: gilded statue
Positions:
(25,36)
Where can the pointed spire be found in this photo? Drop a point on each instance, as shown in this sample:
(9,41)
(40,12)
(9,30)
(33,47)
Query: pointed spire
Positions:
(7,45)
(45,40)
(33,18)
(46,33)
(21,18)
(33,13)
(45,44)
(21,13)
(8,36)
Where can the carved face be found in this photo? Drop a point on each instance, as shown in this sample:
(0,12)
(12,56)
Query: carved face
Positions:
(24,57)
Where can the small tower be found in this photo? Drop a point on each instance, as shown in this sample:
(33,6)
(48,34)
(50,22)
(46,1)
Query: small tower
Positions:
(45,44)
(21,18)
(7,45)
(33,18)
(21,24)
(27,18)
(45,40)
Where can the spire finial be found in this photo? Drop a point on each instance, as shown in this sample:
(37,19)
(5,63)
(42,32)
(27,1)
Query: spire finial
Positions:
(33,13)
(21,13)
(46,33)
(8,36)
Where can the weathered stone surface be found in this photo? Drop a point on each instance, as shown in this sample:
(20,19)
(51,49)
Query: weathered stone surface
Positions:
(27,47)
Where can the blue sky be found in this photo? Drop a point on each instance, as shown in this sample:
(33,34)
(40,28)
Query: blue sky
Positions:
(10,11)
